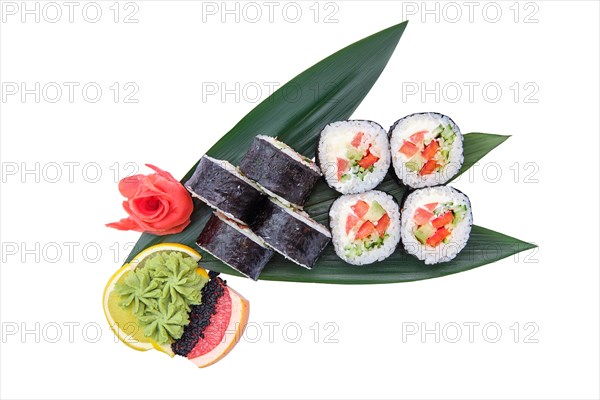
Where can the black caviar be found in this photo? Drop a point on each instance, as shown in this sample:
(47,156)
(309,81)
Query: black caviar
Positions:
(200,315)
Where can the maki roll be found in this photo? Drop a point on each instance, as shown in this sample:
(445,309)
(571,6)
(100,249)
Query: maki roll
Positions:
(291,233)
(365,227)
(280,170)
(234,244)
(220,185)
(436,223)
(427,149)
(354,156)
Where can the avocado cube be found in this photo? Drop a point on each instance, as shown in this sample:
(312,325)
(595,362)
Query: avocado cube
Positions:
(424,232)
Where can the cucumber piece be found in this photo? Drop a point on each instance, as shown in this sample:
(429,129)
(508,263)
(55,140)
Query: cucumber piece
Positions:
(376,211)
(460,211)
(437,131)
(353,250)
(412,166)
(415,163)
(424,232)
(345,178)
(361,173)
(374,244)
(448,134)
(354,154)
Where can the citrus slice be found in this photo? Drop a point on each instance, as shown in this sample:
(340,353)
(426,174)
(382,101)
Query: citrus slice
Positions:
(122,321)
(224,330)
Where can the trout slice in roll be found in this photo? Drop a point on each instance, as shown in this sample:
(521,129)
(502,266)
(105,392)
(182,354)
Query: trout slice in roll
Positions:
(427,149)
(354,156)
(436,223)
(291,233)
(220,185)
(280,171)
(365,227)
(234,244)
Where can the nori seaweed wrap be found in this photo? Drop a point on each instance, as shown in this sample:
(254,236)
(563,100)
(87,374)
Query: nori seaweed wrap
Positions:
(280,170)
(236,245)
(221,186)
(291,233)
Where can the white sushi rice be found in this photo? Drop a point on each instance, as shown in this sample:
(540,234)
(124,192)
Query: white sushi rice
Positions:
(287,150)
(459,234)
(337,220)
(334,142)
(404,128)
(226,165)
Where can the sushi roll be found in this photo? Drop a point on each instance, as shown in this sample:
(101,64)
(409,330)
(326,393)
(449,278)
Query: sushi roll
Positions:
(427,149)
(436,223)
(220,185)
(280,171)
(365,227)
(234,244)
(291,233)
(354,156)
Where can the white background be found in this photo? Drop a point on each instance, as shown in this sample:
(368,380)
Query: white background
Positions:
(173,54)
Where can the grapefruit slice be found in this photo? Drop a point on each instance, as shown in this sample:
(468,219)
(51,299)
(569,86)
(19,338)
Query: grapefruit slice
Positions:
(224,331)
(122,322)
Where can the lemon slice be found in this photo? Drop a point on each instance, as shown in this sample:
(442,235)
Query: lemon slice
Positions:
(122,321)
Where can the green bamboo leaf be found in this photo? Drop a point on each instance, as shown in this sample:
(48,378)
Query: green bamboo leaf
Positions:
(485,246)
(328,91)
(477,145)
